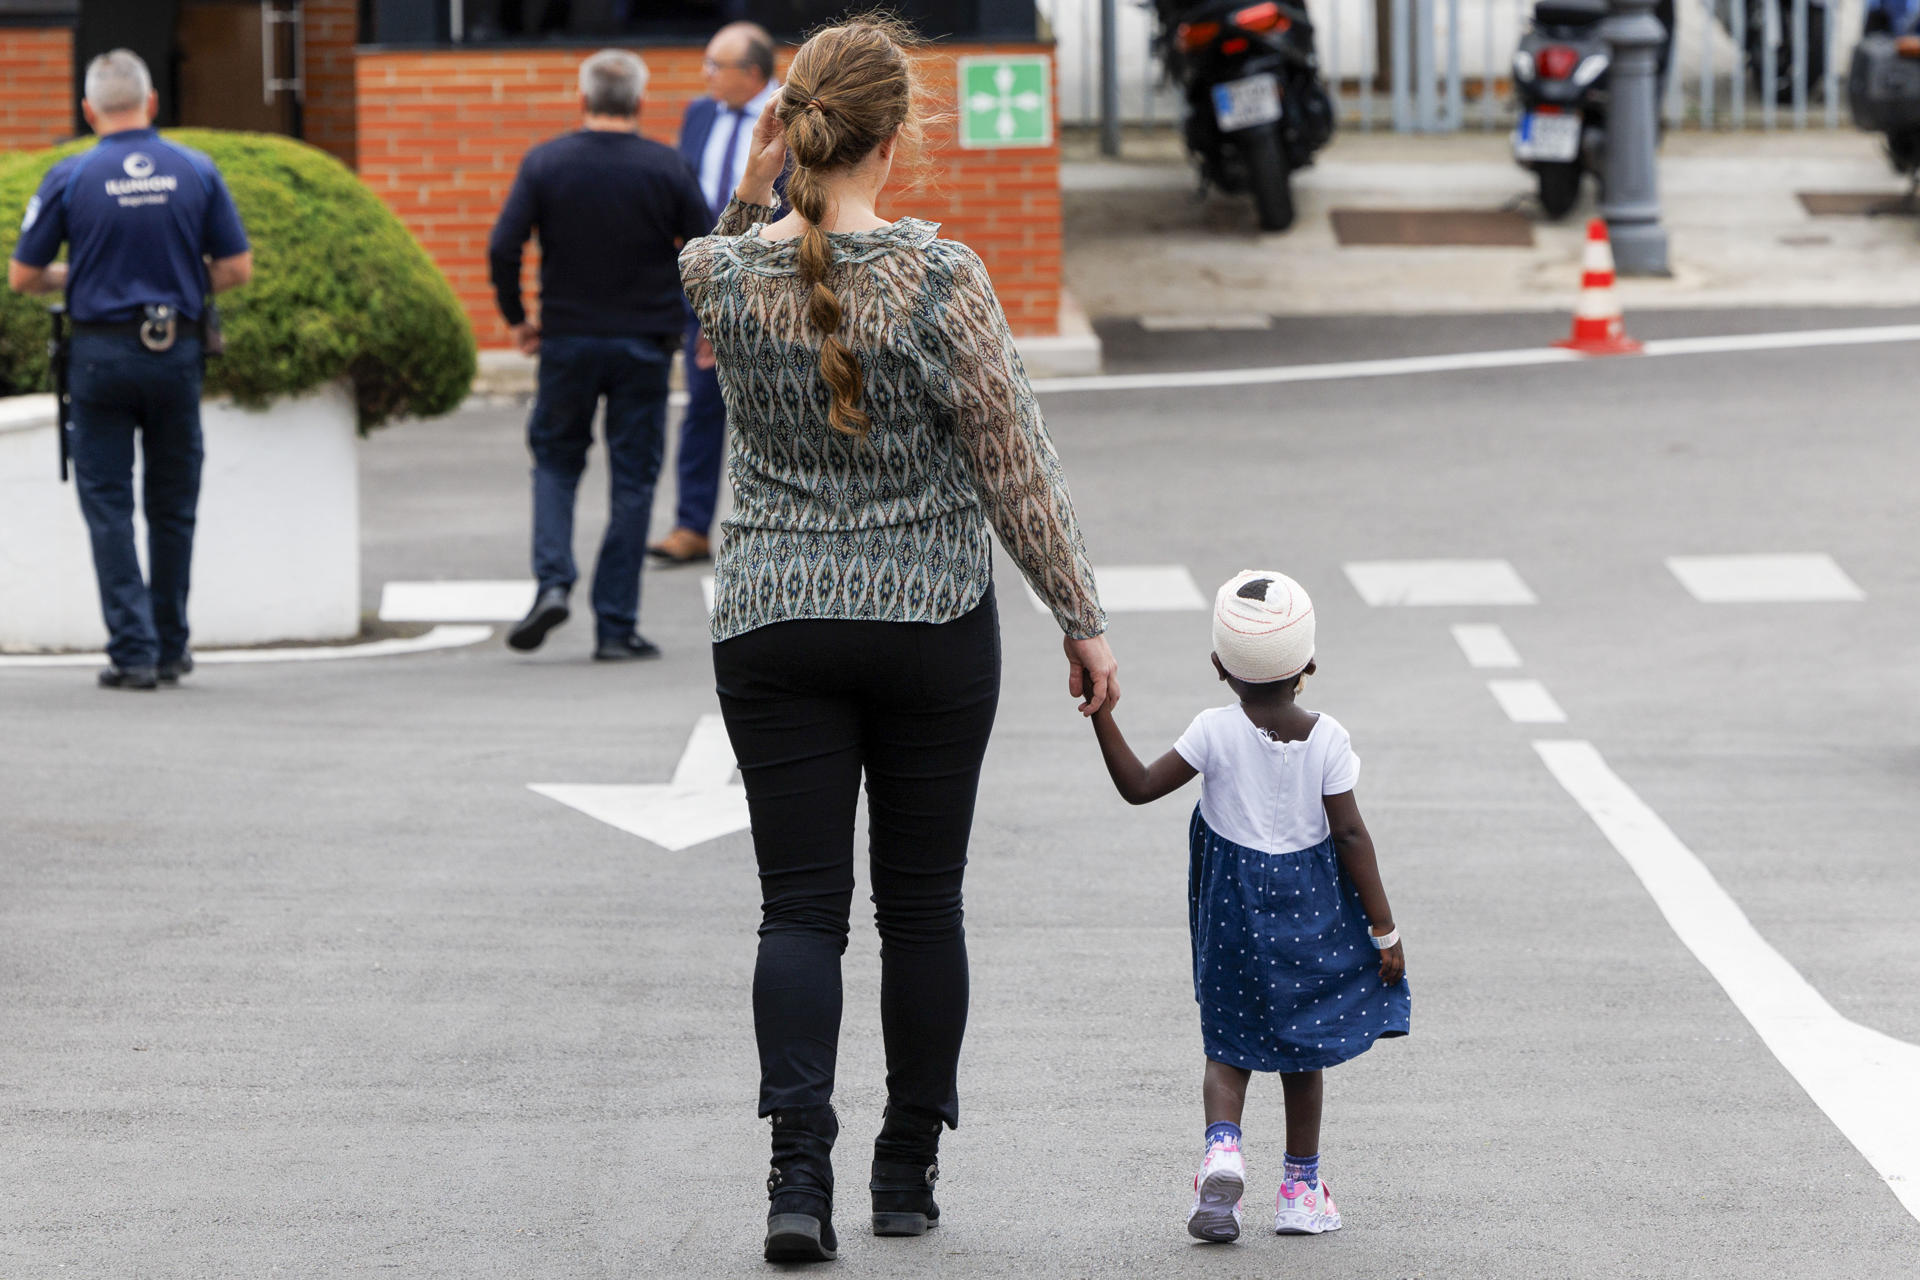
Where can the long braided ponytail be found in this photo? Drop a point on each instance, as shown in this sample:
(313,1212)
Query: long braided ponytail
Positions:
(850,88)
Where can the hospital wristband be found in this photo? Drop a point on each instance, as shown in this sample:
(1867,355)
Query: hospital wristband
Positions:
(1384,941)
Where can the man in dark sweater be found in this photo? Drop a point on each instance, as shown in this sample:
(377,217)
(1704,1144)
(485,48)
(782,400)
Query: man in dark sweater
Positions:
(611,210)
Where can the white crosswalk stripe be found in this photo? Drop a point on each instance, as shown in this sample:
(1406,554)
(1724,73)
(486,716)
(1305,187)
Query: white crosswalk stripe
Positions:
(456,601)
(1526,702)
(1485,645)
(1145,588)
(1764,579)
(1438,582)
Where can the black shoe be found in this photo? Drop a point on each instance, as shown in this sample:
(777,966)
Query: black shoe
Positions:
(904,1171)
(549,611)
(119,677)
(170,672)
(800,1186)
(625,649)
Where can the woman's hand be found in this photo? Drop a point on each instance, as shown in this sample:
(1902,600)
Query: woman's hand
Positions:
(766,157)
(1092,674)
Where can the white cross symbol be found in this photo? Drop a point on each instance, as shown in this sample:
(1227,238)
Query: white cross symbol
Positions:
(1004,101)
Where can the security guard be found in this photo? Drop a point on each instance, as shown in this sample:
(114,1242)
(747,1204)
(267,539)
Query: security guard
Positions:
(143,217)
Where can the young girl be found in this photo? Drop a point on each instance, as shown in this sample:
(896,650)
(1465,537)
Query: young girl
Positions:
(1296,963)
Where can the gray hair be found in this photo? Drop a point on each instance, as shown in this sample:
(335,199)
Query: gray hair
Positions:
(118,81)
(612,81)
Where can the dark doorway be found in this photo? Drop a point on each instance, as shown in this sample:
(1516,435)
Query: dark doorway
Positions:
(211,60)
(144,26)
(224,53)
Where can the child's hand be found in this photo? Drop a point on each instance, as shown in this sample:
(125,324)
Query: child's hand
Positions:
(1393,964)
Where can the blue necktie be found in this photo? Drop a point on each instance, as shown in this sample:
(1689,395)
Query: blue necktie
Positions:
(728,177)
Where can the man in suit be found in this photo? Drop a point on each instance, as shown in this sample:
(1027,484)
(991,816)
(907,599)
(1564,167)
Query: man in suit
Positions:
(715,137)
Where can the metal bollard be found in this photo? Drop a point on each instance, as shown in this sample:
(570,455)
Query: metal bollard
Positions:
(1631,203)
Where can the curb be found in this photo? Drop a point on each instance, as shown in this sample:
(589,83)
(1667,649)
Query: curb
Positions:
(1073,351)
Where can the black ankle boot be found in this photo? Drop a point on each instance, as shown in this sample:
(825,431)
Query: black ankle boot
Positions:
(905,1166)
(800,1186)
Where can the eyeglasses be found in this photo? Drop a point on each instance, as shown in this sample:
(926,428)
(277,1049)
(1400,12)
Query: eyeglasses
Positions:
(709,64)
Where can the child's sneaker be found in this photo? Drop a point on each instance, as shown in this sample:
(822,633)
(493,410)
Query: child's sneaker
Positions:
(1216,1194)
(1302,1210)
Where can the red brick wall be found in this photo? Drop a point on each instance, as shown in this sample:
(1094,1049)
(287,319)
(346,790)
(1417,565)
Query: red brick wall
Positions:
(439,135)
(332,26)
(36,86)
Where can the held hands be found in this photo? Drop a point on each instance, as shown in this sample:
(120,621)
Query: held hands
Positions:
(703,357)
(766,157)
(1092,674)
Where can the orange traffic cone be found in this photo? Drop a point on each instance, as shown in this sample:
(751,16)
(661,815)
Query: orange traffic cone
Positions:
(1598,327)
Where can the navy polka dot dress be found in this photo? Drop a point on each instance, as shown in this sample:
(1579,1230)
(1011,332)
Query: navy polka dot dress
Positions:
(1283,968)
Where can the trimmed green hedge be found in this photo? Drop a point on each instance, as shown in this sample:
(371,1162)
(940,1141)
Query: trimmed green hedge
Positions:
(340,288)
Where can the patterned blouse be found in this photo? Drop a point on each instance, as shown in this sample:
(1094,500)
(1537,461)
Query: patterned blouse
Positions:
(892,528)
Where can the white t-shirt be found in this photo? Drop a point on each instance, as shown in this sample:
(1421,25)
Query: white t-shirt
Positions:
(1264,794)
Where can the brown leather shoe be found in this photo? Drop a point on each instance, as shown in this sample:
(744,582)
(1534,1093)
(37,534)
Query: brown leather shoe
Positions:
(682,546)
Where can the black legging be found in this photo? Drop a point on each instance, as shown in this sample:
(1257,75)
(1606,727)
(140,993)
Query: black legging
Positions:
(809,706)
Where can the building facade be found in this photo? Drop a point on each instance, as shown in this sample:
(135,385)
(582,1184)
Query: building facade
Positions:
(433,102)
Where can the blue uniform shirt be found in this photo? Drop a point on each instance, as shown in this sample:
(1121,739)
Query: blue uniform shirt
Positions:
(139,211)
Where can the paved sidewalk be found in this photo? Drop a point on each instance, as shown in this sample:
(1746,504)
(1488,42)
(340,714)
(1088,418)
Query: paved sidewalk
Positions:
(1139,243)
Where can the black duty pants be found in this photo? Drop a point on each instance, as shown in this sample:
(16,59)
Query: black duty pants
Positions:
(122,390)
(811,706)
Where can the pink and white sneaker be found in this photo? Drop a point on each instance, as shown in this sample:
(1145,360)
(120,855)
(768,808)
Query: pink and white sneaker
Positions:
(1301,1210)
(1216,1194)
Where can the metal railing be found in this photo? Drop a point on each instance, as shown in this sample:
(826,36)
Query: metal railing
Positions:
(1444,65)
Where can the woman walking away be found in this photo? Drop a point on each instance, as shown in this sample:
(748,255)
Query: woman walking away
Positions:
(1297,965)
(880,422)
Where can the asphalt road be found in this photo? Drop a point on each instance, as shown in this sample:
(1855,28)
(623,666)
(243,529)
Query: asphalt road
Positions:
(300,979)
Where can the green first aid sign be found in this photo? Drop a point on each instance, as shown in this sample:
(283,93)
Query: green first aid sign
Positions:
(1006,100)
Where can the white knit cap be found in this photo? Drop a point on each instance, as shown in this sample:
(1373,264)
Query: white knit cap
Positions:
(1263,627)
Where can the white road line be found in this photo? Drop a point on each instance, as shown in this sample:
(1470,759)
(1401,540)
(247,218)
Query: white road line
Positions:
(1764,579)
(1142,588)
(1485,645)
(1867,1082)
(444,637)
(1786,341)
(1438,582)
(708,759)
(1526,702)
(1206,322)
(1268,374)
(456,601)
(1512,359)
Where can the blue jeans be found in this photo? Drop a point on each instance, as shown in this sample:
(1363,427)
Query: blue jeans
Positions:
(703,445)
(576,373)
(120,389)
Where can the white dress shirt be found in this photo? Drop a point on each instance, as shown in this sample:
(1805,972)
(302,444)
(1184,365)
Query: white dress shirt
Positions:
(712,159)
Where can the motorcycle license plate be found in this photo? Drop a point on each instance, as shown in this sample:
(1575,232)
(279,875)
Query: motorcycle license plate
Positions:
(1242,104)
(1551,138)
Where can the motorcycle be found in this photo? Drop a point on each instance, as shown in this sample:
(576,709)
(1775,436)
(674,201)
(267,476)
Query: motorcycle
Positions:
(1883,84)
(1560,78)
(1253,105)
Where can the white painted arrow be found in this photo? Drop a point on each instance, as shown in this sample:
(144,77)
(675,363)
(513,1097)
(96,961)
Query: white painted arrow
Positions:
(702,802)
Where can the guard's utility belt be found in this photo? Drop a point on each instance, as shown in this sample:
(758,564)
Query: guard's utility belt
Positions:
(156,332)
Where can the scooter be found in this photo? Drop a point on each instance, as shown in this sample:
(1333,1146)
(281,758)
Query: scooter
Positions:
(1883,85)
(1560,78)
(1253,104)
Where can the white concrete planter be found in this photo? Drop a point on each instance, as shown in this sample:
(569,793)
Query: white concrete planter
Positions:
(276,555)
